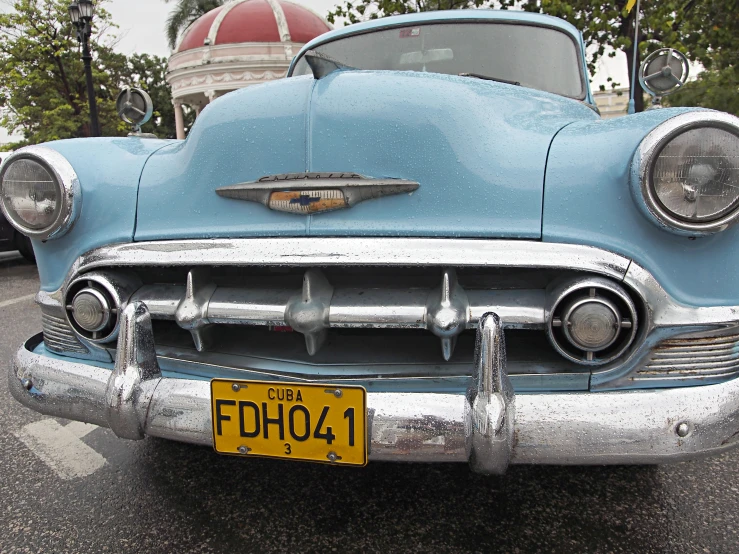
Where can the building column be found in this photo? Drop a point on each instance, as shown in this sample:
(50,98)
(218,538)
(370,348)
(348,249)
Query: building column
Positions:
(179,118)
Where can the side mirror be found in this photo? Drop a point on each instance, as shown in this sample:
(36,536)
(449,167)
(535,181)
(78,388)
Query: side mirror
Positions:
(134,106)
(662,73)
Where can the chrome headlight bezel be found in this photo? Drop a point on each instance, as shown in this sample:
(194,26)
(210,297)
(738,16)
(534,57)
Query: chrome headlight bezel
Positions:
(70,192)
(642,184)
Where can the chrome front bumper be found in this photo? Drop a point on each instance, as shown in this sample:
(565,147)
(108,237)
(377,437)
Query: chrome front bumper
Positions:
(489,427)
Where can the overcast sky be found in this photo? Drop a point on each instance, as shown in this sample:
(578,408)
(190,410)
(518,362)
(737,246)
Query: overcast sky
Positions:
(142,23)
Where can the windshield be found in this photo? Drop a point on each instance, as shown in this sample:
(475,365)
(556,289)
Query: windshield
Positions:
(536,57)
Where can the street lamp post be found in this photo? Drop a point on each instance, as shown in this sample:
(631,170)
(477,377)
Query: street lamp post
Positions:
(81,13)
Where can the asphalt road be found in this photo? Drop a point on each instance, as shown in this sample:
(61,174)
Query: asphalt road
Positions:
(96,493)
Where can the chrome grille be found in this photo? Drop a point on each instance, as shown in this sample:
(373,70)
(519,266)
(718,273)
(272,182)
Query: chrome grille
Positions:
(693,357)
(394,286)
(443,306)
(58,335)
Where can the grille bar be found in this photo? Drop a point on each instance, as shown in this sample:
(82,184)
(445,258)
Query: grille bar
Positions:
(658,361)
(693,357)
(58,335)
(376,308)
(446,310)
(692,354)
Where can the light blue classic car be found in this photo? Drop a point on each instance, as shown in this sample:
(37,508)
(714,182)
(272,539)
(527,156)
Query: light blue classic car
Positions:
(424,245)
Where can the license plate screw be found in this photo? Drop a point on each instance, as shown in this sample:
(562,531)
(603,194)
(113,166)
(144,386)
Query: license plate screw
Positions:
(336,392)
(333,457)
(244,449)
(236,387)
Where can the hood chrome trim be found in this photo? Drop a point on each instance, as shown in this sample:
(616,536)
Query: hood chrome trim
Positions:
(357,251)
(348,189)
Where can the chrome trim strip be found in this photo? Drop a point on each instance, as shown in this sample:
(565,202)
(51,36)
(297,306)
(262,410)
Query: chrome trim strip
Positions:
(329,251)
(665,311)
(646,153)
(69,185)
(629,427)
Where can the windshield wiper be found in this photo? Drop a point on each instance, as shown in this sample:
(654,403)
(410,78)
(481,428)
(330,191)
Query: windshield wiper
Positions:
(486,78)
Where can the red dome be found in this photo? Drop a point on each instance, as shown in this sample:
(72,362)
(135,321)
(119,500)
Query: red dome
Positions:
(254,21)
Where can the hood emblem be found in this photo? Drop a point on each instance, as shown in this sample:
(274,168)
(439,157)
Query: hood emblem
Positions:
(312,193)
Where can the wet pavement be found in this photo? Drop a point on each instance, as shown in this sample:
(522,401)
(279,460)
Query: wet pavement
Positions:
(92,492)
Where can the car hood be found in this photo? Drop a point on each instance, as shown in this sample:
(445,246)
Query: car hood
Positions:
(478,150)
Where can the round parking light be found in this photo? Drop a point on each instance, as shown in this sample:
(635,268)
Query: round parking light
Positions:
(90,310)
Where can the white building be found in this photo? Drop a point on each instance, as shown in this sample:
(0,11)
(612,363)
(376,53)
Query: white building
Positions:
(242,43)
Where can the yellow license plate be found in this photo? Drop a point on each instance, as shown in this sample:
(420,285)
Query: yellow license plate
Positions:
(308,422)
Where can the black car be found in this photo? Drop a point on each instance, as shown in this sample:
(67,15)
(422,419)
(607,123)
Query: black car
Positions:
(10,239)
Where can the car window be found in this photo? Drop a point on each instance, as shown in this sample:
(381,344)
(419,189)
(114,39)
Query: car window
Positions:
(536,57)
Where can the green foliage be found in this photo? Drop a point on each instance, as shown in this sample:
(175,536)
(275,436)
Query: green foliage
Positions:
(712,38)
(715,88)
(185,13)
(608,28)
(712,33)
(362,10)
(43,94)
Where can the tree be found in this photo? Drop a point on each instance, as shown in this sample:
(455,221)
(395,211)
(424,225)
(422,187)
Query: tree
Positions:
(43,90)
(374,9)
(712,33)
(608,27)
(712,38)
(43,93)
(714,88)
(185,13)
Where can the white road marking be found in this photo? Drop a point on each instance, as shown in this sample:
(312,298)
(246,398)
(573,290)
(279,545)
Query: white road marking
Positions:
(18,300)
(79,429)
(61,449)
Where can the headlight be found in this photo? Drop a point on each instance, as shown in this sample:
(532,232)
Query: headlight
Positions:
(686,173)
(39,192)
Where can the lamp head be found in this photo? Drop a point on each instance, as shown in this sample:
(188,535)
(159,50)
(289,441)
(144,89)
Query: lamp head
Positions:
(74,12)
(86,8)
